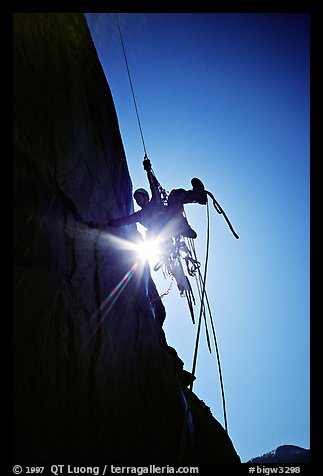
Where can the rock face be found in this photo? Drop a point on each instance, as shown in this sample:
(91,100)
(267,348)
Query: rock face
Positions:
(94,378)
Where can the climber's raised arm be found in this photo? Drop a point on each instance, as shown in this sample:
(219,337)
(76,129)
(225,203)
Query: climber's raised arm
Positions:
(153,182)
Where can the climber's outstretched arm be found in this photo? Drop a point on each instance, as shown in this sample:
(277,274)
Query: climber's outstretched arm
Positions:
(126,220)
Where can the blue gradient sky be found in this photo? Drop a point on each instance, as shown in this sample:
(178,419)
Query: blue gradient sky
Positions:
(225,97)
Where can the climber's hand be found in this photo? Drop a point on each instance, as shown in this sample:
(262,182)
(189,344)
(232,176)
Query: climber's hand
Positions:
(147,165)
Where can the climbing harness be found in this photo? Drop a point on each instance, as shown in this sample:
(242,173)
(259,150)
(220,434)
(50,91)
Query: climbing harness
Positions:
(174,249)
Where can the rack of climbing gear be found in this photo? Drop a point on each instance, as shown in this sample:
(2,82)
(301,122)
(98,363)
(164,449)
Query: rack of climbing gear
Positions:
(173,251)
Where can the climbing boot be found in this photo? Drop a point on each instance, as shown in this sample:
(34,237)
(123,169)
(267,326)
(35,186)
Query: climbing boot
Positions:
(199,191)
(189,232)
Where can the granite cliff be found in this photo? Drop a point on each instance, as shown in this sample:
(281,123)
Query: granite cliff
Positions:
(94,378)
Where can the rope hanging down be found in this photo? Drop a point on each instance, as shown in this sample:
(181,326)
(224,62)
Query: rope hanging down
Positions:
(162,191)
(201,284)
(132,89)
(189,400)
(215,344)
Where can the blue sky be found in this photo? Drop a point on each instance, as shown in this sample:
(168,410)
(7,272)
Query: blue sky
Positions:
(225,97)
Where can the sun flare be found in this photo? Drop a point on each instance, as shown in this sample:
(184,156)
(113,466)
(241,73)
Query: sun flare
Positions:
(148,250)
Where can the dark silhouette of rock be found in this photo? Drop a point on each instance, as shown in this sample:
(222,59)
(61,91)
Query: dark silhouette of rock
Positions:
(284,454)
(94,379)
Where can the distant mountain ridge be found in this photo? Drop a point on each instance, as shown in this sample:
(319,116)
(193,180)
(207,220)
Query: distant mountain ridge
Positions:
(284,454)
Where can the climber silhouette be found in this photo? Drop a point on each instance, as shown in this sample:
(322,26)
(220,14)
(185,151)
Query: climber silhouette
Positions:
(158,219)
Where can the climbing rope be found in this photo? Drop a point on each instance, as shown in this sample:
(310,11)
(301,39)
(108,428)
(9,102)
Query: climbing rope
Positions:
(189,401)
(220,211)
(201,285)
(216,348)
(131,86)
